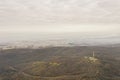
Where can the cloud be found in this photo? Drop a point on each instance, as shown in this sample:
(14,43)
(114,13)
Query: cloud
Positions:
(35,12)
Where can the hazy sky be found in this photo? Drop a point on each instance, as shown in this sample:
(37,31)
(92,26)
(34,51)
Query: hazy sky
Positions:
(59,15)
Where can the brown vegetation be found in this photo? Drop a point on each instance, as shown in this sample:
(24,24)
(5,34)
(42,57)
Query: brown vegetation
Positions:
(60,63)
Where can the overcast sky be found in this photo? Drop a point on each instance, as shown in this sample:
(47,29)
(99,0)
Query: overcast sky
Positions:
(59,15)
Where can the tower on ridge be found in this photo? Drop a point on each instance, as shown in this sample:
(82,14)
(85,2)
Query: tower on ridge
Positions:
(93,54)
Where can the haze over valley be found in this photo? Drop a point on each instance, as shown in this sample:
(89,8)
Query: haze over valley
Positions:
(59,39)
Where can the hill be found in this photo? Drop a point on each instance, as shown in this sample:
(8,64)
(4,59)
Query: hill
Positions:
(61,63)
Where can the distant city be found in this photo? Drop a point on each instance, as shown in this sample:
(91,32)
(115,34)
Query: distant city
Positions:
(52,43)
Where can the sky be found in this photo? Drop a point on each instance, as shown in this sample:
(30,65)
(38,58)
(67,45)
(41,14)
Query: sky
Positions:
(59,16)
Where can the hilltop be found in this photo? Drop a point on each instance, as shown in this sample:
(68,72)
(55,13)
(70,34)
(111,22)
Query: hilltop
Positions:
(61,63)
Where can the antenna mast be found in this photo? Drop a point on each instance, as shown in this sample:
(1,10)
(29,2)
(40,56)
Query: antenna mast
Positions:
(93,54)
